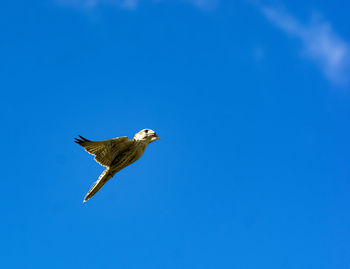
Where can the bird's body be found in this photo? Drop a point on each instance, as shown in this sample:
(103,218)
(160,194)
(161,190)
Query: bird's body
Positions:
(116,154)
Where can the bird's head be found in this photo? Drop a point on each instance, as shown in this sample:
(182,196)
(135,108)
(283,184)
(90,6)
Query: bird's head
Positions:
(146,135)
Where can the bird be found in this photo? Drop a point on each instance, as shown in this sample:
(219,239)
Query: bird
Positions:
(115,154)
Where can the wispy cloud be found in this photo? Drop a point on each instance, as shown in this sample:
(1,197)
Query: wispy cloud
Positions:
(203,4)
(320,43)
(130,4)
(91,4)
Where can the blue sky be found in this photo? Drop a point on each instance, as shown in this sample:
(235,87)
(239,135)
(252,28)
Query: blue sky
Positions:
(251,99)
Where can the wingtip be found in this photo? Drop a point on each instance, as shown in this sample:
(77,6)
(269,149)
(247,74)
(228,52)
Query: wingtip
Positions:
(80,141)
(83,138)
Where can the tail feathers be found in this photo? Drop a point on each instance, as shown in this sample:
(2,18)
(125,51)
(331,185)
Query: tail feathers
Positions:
(104,177)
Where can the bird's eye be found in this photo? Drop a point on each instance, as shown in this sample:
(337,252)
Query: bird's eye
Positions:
(146,131)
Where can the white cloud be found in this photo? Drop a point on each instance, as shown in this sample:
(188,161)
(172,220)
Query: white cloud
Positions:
(320,42)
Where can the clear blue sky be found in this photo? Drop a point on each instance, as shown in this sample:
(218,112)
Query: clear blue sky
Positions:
(251,99)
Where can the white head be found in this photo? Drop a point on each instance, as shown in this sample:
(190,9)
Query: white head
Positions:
(146,135)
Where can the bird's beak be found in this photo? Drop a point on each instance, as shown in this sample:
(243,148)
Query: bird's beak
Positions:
(155,137)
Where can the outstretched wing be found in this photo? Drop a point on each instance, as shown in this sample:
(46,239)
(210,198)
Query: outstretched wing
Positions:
(104,151)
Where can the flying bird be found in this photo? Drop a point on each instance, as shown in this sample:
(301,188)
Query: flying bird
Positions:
(115,154)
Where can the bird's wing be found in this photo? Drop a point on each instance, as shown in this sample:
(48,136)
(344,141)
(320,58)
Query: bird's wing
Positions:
(105,151)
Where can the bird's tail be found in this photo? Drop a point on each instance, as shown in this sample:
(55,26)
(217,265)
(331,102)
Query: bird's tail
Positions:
(104,177)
